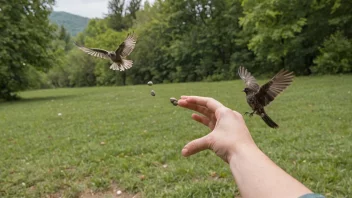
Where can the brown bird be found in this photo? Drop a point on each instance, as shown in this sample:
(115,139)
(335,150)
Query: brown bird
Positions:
(258,97)
(118,57)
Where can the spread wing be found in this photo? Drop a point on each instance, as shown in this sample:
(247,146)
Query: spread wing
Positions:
(100,53)
(127,46)
(248,79)
(274,87)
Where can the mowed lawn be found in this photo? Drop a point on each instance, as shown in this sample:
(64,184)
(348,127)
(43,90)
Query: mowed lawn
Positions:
(123,138)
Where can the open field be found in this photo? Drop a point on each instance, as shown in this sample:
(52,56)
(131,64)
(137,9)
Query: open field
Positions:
(123,137)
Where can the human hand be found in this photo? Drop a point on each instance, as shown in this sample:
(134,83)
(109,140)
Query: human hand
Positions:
(229,131)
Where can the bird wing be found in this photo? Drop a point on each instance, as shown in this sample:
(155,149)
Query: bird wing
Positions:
(100,53)
(274,87)
(126,47)
(248,79)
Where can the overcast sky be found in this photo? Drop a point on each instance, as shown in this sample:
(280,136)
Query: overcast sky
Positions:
(86,8)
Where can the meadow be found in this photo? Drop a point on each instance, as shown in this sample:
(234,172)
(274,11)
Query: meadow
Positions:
(68,142)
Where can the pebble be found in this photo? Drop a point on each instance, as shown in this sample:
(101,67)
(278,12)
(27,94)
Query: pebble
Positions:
(152,93)
(174,101)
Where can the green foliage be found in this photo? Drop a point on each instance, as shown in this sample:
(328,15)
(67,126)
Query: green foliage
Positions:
(37,79)
(181,41)
(25,34)
(336,55)
(48,155)
(289,33)
(185,41)
(81,70)
(116,12)
(122,14)
(188,44)
(73,23)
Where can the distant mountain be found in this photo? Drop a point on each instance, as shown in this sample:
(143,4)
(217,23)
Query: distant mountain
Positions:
(73,23)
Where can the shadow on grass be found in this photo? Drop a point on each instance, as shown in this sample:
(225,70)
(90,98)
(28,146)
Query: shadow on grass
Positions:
(36,99)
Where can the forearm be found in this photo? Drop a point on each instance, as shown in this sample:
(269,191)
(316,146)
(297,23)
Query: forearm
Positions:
(257,176)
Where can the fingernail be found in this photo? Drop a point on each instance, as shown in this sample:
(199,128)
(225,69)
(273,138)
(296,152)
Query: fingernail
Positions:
(181,101)
(184,152)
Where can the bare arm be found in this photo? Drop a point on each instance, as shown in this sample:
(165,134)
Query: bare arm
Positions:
(255,174)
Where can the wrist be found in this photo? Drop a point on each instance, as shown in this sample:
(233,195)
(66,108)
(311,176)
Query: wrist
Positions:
(242,149)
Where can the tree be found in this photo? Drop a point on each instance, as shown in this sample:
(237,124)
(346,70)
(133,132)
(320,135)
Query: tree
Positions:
(116,15)
(288,34)
(275,26)
(207,40)
(336,55)
(133,7)
(188,40)
(66,37)
(26,35)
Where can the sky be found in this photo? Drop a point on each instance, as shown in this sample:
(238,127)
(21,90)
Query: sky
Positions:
(86,8)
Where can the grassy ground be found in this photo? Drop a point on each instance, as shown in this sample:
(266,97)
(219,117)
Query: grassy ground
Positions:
(122,136)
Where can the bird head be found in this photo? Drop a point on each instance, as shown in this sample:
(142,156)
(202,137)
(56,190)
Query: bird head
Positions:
(245,90)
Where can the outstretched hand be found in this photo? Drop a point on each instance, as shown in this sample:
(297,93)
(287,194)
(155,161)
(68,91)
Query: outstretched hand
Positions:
(255,174)
(229,131)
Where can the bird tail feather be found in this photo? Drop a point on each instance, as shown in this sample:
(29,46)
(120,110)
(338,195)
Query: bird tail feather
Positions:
(269,121)
(127,64)
(115,66)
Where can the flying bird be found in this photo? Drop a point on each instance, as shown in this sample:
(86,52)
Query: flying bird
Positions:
(260,96)
(118,57)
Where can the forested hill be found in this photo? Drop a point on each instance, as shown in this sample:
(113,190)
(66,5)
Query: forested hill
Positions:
(72,23)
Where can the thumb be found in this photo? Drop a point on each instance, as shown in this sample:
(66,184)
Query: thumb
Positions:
(196,146)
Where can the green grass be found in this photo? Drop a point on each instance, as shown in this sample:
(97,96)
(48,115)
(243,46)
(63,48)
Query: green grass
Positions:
(43,153)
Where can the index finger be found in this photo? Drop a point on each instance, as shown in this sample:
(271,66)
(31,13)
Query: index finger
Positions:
(209,103)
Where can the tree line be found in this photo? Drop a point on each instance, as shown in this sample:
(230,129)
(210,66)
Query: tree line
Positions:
(178,41)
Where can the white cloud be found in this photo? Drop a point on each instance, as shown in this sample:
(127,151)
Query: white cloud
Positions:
(86,8)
